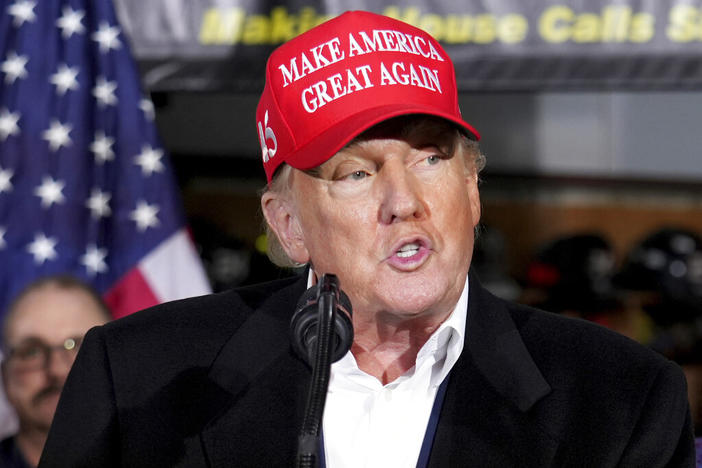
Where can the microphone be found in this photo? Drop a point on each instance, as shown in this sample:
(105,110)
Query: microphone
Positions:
(304,325)
(321,333)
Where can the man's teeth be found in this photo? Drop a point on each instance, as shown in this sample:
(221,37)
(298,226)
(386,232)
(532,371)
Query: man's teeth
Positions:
(408,250)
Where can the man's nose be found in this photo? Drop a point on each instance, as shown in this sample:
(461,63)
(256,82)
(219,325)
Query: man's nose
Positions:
(401,195)
(58,363)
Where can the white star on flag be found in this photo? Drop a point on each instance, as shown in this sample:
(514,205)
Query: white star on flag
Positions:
(70,22)
(8,123)
(50,192)
(106,36)
(147,107)
(43,248)
(57,135)
(5,182)
(13,67)
(64,79)
(104,92)
(3,244)
(98,204)
(94,260)
(145,215)
(22,10)
(150,160)
(102,147)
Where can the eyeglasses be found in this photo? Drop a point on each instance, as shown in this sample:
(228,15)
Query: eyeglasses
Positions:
(33,354)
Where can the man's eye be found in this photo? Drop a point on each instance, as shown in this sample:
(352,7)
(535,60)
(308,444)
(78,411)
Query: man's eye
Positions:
(357,175)
(433,159)
(28,352)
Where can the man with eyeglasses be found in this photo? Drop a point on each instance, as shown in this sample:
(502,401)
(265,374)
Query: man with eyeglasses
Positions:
(41,335)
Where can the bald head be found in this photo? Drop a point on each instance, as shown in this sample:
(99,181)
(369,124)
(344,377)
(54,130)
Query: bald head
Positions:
(41,295)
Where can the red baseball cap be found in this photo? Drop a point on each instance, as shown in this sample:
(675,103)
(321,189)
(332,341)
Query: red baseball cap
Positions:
(331,83)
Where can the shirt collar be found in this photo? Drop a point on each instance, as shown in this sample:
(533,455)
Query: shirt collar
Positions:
(446,343)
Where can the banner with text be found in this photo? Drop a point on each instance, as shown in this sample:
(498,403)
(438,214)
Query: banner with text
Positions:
(222,45)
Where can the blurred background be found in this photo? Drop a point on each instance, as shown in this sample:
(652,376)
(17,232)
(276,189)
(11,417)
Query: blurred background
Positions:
(591,121)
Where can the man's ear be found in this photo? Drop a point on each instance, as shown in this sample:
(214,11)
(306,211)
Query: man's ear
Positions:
(474,196)
(283,220)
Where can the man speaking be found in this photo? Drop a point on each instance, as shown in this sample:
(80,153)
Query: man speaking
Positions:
(373,177)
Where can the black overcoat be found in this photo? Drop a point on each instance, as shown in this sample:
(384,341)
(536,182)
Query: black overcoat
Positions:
(212,381)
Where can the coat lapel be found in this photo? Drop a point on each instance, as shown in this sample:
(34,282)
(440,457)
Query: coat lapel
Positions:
(486,419)
(265,389)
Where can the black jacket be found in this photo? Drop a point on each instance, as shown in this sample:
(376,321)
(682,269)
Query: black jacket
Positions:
(10,455)
(212,381)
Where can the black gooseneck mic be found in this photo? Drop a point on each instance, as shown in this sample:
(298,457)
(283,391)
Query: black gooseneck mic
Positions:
(305,323)
(321,333)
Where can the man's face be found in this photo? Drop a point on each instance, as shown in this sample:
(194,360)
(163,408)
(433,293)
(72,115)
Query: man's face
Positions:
(392,215)
(45,317)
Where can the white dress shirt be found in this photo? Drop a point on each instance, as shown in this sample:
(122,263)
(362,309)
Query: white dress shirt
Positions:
(368,424)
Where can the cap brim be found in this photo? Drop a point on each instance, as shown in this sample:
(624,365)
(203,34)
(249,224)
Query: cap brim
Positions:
(339,134)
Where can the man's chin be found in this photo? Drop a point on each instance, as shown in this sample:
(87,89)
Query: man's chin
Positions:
(45,408)
(415,294)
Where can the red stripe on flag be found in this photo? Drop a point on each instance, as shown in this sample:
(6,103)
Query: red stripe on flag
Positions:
(130,294)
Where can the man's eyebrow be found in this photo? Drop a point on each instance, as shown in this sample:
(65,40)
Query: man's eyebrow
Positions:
(313,172)
(32,339)
(29,338)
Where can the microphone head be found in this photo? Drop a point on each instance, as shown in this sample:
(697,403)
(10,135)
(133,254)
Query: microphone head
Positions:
(305,321)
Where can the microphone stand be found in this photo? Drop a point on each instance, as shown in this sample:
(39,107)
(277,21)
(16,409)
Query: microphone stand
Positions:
(308,441)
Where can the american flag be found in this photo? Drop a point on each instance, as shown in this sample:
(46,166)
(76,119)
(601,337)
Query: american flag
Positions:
(85,186)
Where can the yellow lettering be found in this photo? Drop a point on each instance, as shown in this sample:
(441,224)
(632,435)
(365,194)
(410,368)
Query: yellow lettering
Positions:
(682,25)
(209,26)
(512,29)
(462,29)
(485,32)
(616,20)
(457,29)
(282,25)
(555,24)
(232,25)
(222,26)
(587,28)
(256,30)
(308,19)
(642,27)
(615,23)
